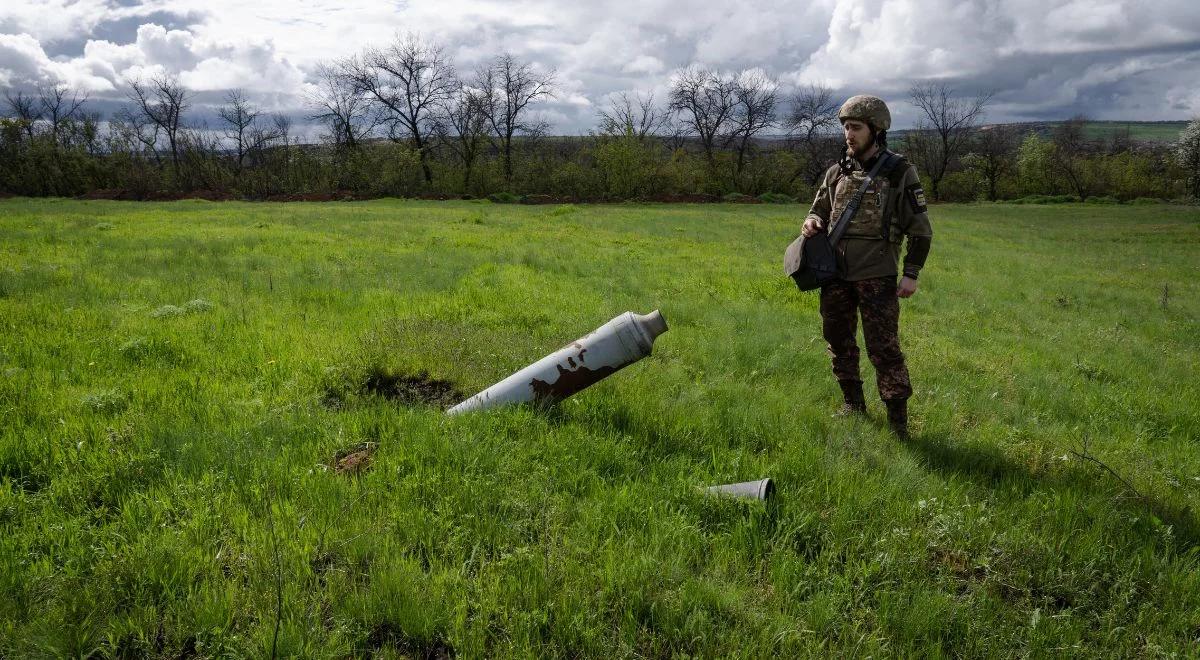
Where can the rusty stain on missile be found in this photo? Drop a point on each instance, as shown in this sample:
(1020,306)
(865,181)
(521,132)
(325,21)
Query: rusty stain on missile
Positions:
(568,382)
(622,341)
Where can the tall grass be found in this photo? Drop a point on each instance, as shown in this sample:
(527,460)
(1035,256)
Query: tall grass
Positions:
(169,480)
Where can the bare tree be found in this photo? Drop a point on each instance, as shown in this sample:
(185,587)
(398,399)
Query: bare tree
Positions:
(755,97)
(59,105)
(674,132)
(705,102)
(463,128)
(950,121)
(1121,139)
(241,118)
(995,154)
(135,129)
(637,116)
(409,81)
(25,109)
(340,106)
(162,104)
(1071,147)
(508,87)
(811,125)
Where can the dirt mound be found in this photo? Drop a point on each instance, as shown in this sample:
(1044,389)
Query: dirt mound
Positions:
(683,198)
(411,389)
(110,193)
(390,635)
(124,194)
(336,196)
(549,199)
(354,461)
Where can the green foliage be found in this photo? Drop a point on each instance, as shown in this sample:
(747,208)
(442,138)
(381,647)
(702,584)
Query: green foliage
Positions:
(965,186)
(165,482)
(627,165)
(1036,172)
(776,198)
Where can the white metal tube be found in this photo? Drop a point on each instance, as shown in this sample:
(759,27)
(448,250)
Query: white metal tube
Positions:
(587,360)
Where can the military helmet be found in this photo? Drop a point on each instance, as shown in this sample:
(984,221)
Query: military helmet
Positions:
(870,109)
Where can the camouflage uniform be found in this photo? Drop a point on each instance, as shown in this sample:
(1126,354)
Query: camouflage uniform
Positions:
(892,208)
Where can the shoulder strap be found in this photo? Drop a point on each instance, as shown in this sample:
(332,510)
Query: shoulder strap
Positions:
(883,162)
(895,171)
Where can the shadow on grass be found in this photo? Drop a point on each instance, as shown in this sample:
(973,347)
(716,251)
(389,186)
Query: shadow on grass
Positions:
(989,466)
(652,438)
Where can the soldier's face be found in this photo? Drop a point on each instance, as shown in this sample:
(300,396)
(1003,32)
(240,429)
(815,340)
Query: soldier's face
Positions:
(858,136)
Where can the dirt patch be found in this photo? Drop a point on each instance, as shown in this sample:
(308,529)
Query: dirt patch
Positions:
(388,634)
(354,461)
(411,389)
(335,196)
(440,197)
(549,199)
(957,563)
(124,194)
(111,193)
(682,198)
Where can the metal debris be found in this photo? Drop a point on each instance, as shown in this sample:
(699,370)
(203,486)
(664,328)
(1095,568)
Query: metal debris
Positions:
(585,361)
(763,489)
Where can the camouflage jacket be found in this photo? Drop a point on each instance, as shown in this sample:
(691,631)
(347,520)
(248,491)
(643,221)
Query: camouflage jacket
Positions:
(891,209)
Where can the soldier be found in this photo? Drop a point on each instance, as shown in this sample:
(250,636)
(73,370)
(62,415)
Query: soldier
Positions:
(892,207)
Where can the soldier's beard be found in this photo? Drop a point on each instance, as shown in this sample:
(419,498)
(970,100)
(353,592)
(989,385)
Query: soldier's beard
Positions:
(866,148)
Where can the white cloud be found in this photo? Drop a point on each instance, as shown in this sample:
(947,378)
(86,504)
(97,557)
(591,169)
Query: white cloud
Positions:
(51,20)
(1041,56)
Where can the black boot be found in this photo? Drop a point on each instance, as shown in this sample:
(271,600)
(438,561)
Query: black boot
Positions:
(897,413)
(853,401)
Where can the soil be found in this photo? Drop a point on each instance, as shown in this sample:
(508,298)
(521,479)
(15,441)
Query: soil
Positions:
(355,461)
(412,390)
(388,634)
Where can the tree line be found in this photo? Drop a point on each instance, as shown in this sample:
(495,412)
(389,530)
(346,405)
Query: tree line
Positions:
(401,120)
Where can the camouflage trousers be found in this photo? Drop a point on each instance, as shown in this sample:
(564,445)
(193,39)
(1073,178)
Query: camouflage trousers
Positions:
(841,303)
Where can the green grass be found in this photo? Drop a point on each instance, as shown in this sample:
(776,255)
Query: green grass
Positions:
(1163,132)
(1149,131)
(178,379)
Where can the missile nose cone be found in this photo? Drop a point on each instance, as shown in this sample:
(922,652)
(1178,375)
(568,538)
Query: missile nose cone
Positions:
(653,323)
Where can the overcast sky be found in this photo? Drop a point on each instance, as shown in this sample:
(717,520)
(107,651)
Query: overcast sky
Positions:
(1044,59)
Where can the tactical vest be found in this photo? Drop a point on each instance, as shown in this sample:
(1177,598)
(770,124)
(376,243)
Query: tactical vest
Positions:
(877,210)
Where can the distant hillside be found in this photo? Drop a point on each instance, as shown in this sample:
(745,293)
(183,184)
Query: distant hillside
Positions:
(1139,131)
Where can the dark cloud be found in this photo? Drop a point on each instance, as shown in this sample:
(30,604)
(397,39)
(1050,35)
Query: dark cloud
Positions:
(1043,59)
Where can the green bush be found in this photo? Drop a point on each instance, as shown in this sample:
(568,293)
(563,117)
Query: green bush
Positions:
(735,197)
(1102,200)
(776,198)
(627,165)
(961,187)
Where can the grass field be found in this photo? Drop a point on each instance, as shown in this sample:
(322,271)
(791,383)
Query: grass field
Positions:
(1148,131)
(182,383)
(1163,132)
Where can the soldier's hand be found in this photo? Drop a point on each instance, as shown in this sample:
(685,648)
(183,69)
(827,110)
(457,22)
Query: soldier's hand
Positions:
(907,287)
(811,227)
